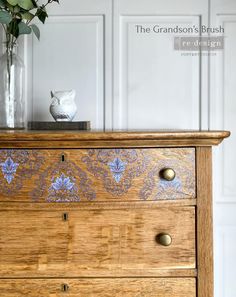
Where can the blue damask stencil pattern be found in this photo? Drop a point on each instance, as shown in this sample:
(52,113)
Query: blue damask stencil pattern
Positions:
(183,185)
(17,167)
(164,185)
(63,189)
(117,167)
(63,183)
(9,168)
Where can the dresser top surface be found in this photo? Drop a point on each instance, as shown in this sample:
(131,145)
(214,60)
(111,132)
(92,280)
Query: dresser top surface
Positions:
(124,137)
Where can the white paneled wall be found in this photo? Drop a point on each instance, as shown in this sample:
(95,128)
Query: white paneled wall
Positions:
(70,51)
(222,116)
(75,52)
(148,74)
(128,80)
(148,65)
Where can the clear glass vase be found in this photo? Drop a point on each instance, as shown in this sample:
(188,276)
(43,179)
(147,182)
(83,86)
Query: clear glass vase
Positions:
(12,105)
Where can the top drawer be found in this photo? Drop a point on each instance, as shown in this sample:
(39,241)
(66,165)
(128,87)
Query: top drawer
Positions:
(75,175)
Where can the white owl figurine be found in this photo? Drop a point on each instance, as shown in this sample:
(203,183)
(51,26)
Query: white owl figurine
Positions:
(63,107)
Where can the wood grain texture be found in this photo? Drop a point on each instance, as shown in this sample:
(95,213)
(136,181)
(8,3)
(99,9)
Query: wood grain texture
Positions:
(131,287)
(204,223)
(93,139)
(100,205)
(106,235)
(96,243)
(96,175)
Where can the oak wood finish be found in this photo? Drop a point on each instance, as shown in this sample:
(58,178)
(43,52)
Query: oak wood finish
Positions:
(131,287)
(90,171)
(95,139)
(100,205)
(204,223)
(108,242)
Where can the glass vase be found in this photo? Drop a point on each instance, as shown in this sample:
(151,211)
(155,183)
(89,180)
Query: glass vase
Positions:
(12,105)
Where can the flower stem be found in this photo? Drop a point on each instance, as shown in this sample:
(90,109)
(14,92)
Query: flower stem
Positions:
(10,42)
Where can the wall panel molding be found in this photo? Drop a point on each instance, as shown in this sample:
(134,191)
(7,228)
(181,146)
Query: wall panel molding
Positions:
(100,13)
(84,38)
(223,107)
(219,267)
(222,116)
(225,239)
(142,78)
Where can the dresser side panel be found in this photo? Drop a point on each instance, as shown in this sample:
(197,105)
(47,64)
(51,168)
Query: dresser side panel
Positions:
(204,222)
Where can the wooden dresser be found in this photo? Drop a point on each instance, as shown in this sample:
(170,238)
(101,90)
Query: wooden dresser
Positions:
(106,214)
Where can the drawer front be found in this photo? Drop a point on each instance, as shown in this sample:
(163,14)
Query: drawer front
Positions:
(99,287)
(77,175)
(96,242)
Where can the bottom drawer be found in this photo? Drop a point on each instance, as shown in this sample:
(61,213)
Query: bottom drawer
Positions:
(130,287)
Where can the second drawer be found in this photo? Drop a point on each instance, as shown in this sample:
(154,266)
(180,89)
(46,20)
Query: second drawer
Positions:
(128,287)
(96,242)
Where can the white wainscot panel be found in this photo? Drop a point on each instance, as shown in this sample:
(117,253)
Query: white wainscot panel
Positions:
(158,87)
(225,261)
(70,56)
(226,111)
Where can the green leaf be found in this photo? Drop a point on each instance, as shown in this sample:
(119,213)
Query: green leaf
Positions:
(36,31)
(13,28)
(34,3)
(5,17)
(10,7)
(13,2)
(16,9)
(41,14)
(2,3)
(26,4)
(27,16)
(24,29)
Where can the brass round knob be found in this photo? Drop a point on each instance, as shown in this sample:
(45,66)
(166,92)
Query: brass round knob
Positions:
(168,174)
(164,239)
